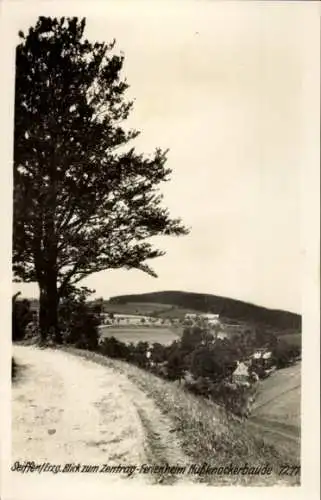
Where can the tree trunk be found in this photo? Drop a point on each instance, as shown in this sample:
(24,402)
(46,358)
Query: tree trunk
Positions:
(48,314)
(49,297)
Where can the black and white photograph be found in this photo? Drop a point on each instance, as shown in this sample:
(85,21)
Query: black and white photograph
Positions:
(157,298)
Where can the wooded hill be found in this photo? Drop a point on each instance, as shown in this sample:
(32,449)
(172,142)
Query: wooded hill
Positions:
(228,308)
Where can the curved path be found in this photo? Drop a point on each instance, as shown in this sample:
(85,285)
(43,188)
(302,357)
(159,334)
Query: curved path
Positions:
(68,410)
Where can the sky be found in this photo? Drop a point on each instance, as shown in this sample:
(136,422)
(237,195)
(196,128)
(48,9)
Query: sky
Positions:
(220,85)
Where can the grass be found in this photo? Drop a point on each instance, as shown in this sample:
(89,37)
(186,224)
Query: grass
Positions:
(278,397)
(143,308)
(206,432)
(135,334)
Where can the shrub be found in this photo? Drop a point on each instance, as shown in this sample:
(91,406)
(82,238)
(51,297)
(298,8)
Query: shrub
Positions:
(13,369)
(234,398)
(201,386)
(215,361)
(194,336)
(284,353)
(176,364)
(21,317)
(79,319)
(158,353)
(113,348)
(139,354)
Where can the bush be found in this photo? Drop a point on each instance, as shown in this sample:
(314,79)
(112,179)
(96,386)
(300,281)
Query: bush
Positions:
(201,386)
(176,362)
(21,317)
(193,337)
(139,354)
(158,353)
(113,348)
(215,361)
(79,319)
(13,369)
(284,353)
(234,398)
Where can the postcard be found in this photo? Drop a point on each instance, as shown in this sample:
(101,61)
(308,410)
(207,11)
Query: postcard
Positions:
(160,261)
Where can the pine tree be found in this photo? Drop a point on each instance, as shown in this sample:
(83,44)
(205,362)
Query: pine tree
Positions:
(84,200)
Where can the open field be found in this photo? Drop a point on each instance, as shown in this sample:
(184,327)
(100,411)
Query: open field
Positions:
(279,396)
(276,413)
(136,334)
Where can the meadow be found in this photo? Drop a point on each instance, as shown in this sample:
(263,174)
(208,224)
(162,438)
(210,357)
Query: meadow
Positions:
(278,397)
(135,334)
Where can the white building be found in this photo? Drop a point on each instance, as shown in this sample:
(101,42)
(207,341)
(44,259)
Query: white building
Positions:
(208,317)
(262,354)
(241,374)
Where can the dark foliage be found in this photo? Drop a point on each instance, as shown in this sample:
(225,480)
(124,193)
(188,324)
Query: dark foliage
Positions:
(79,319)
(203,365)
(158,353)
(115,349)
(194,336)
(176,362)
(14,369)
(21,317)
(212,362)
(229,308)
(284,353)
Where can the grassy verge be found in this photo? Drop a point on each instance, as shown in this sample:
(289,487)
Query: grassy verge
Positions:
(206,432)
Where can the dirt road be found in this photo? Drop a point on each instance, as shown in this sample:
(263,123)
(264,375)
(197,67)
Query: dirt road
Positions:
(67,410)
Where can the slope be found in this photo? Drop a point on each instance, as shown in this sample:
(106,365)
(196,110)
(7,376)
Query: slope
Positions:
(230,308)
(98,410)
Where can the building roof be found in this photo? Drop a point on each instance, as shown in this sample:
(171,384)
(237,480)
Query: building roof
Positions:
(261,353)
(241,369)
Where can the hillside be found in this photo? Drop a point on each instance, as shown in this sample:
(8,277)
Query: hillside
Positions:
(235,310)
(122,414)
(278,397)
(276,413)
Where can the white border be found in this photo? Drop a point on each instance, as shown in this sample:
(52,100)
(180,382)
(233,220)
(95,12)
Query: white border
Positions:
(78,489)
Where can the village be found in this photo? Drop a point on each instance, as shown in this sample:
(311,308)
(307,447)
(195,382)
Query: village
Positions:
(155,344)
(257,365)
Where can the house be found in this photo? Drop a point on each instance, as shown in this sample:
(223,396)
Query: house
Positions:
(189,316)
(241,374)
(258,353)
(222,335)
(211,319)
(263,357)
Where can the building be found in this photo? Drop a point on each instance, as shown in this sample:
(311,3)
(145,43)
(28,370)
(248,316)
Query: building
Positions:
(212,319)
(263,357)
(210,316)
(222,335)
(190,316)
(241,374)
